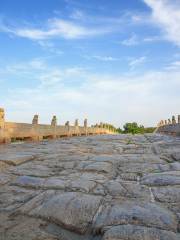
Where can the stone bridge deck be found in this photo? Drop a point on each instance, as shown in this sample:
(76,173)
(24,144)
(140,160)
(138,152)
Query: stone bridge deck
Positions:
(118,187)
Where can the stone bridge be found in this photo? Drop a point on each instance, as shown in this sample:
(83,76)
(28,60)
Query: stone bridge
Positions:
(10,131)
(104,187)
(170,126)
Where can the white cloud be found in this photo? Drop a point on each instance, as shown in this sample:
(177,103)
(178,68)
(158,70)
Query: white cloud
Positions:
(105,58)
(78,14)
(166,14)
(132,41)
(136,18)
(37,64)
(137,62)
(135,40)
(77,25)
(53,76)
(50,47)
(101,58)
(18,68)
(153,39)
(38,70)
(174,66)
(50,78)
(115,98)
(55,28)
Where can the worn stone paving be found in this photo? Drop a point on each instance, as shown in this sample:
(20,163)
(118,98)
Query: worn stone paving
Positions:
(118,187)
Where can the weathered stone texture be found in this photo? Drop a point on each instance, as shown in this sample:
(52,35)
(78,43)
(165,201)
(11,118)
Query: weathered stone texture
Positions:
(116,187)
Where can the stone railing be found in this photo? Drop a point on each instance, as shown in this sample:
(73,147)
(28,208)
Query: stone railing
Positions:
(170,126)
(10,131)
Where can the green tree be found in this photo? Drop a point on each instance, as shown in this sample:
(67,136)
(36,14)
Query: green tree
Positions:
(133,128)
(119,130)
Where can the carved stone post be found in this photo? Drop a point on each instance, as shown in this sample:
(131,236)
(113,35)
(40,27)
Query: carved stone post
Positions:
(67,124)
(2,118)
(4,138)
(36,135)
(2,132)
(85,126)
(35,119)
(68,130)
(173,120)
(54,124)
(85,122)
(101,128)
(54,121)
(162,123)
(76,124)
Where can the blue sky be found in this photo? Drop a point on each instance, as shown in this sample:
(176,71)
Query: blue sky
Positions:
(111,61)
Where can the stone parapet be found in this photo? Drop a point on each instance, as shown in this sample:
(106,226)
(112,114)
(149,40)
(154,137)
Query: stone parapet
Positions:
(11,131)
(170,127)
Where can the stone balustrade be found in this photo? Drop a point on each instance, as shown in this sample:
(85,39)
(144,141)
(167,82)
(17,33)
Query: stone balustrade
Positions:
(11,131)
(170,126)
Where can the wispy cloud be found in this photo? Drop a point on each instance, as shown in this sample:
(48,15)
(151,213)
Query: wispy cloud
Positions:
(50,47)
(166,14)
(78,14)
(101,58)
(76,25)
(36,64)
(174,66)
(53,76)
(55,90)
(154,38)
(137,62)
(132,41)
(135,40)
(55,28)
(45,75)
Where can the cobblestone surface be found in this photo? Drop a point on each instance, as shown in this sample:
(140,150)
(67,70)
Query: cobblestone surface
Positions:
(118,187)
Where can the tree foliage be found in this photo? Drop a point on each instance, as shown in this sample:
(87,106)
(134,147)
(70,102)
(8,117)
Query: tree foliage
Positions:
(132,128)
